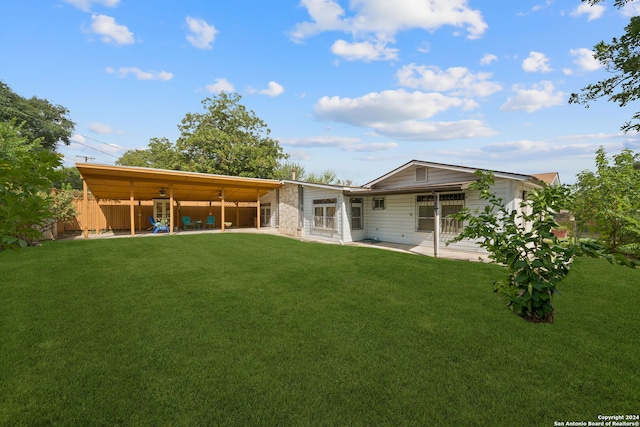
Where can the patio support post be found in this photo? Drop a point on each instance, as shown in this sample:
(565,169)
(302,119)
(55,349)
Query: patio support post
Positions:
(132,209)
(237,214)
(258,210)
(436,225)
(170,208)
(85,209)
(222,218)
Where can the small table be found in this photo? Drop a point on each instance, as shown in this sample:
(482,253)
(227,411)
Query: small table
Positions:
(198,223)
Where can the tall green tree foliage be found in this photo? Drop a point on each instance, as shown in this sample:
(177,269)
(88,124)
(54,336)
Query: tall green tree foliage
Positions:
(522,240)
(609,199)
(228,139)
(621,57)
(26,174)
(161,154)
(40,119)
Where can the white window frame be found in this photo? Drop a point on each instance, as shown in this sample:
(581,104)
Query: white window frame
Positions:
(447,225)
(324,214)
(377,203)
(359,204)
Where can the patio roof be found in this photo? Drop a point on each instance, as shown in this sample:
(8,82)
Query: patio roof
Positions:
(116,182)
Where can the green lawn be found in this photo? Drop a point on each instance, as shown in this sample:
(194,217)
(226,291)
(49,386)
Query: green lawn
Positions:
(239,329)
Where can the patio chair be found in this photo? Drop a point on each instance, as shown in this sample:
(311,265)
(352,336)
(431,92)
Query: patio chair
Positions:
(157,226)
(211,220)
(186,222)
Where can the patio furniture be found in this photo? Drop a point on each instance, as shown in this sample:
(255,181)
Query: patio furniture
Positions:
(211,220)
(158,226)
(186,222)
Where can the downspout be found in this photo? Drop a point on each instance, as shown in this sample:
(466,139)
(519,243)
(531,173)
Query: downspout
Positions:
(436,225)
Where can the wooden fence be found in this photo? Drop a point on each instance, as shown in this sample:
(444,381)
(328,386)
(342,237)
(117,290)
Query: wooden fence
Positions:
(114,215)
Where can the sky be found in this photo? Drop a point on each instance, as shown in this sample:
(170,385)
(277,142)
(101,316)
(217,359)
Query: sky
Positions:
(360,86)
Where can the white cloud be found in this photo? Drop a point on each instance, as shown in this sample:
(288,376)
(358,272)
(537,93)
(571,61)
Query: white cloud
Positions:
(457,80)
(202,34)
(340,142)
(592,12)
(415,130)
(541,95)
(487,59)
(381,20)
(536,62)
(140,75)
(101,128)
(86,4)
(111,31)
(221,85)
(364,51)
(585,60)
(631,9)
(389,106)
(274,89)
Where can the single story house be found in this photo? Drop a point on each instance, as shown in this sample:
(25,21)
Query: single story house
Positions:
(408,205)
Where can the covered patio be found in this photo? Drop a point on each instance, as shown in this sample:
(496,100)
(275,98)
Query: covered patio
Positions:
(135,184)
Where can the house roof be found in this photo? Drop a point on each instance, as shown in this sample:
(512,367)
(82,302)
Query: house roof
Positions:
(550,178)
(118,183)
(467,169)
(449,186)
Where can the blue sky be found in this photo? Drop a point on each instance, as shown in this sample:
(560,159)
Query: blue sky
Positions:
(359,86)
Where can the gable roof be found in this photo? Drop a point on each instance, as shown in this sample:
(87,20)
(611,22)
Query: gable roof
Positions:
(550,178)
(466,169)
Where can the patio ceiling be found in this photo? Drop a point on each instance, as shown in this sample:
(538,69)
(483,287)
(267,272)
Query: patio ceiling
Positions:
(115,183)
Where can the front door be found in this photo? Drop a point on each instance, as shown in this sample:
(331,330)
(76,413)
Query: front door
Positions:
(161,209)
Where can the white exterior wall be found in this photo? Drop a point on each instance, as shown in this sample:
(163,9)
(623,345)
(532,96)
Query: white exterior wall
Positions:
(270,198)
(314,193)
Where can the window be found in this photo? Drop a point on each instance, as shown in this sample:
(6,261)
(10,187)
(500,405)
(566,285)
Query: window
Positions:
(449,204)
(265,214)
(356,214)
(378,203)
(324,213)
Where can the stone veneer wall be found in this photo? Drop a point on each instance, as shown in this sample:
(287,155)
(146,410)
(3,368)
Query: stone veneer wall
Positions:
(288,211)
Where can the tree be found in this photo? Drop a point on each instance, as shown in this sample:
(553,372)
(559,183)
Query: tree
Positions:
(609,198)
(622,58)
(26,173)
(285,171)
(228,139)
(524,243)
(41,120)
(161,154)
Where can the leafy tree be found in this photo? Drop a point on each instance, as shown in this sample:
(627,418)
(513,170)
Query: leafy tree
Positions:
(69,179)
(522,241)
(609,198)
(228,139)
(40,119)
(161,154)
(327,177)
(285,171)
(621,57)
(26,173)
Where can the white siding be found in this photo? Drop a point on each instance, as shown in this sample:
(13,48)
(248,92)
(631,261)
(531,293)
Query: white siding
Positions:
(407,178)
(314,193)
(270,197)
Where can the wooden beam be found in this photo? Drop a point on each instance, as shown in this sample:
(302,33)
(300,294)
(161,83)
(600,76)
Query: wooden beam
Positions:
(85,209)
(170,208)
(258,210)
(222,219)
(132,209)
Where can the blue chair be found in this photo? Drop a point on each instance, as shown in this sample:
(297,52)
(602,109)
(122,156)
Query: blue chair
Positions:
(211,220)
(186,222)
(157,226)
